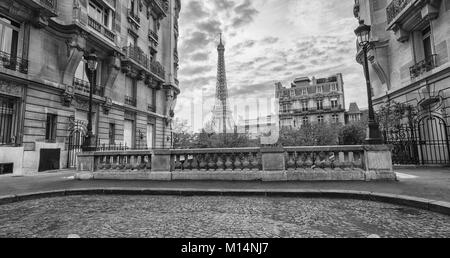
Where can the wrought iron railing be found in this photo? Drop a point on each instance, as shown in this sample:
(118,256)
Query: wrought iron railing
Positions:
(423,66)
(131,101)
(50,4)
(13,63)
(395,8)
(135,53)
(134,16)
(85,87)
(153,36)
(151,107)
(101,29)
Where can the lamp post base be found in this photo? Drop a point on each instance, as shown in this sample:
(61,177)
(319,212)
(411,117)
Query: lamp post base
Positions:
(373,134)
(88,144)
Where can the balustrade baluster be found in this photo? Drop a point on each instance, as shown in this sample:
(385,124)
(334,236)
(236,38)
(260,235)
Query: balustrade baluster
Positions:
(246,162)
(211,162)
(237,162)
(300,161)
(202,164)
(309,160)
(220,163)
(290,163)
(229,162)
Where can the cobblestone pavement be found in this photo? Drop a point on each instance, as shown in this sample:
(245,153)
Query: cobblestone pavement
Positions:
(253,217)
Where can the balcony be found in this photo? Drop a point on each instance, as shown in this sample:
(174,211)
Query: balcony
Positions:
(49,4)
(175,56)
(138,56)
(423,66)
(130,101)
(101,29)
(81,86)
(153,37)
(405,15)
(13,63)
(134,17)
(151,108)
(162,7)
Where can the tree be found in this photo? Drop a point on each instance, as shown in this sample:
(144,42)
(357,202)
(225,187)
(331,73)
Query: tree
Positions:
(310,135)
(353,134)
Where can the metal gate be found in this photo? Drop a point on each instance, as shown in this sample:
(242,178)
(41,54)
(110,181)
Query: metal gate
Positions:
(434,148)
(425,142)
(76,137)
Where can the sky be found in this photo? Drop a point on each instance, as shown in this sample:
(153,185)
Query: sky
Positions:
(266,41)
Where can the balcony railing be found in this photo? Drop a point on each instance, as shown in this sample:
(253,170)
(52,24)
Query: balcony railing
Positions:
(163,4)
(134,16)
(395,8)
(153,36)
(50,4)
(131,101)
(151,108)
(136,54)
(85,87)
(423,66)
(13,63)
(101,29)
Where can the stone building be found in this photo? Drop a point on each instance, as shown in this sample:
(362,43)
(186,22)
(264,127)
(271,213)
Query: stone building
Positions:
(355,114)
(409,63)
(45,83)
(311,101)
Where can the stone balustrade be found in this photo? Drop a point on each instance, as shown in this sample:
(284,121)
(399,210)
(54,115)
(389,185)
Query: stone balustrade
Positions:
(334,157)
(329,163)
(238,159)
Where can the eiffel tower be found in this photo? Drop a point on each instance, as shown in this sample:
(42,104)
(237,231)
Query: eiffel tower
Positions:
(222,117)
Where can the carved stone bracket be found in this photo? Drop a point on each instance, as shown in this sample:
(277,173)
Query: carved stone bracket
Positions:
(107,105)
(76,48)
(67,96)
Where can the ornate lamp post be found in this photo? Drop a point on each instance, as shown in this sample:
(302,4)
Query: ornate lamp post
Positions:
(91,65)
(373,131)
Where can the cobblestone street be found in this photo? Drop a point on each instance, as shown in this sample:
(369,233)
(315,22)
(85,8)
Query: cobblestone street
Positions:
(241,217)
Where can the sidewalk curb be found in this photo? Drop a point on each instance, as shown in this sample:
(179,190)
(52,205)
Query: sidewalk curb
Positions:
(416,202)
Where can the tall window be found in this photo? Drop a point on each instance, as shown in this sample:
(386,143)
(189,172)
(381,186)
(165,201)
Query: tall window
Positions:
(9,36)
(304,106)
(319,89)
(50,127)
(304,91)
(334,103)
(334,87)
(320,104)
(82,74)
(112,134)
(427,48)
(100,14)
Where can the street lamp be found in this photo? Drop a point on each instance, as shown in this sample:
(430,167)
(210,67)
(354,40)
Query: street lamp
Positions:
(373,130)
(91,64)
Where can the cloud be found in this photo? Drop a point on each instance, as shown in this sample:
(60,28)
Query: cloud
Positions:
(266,41)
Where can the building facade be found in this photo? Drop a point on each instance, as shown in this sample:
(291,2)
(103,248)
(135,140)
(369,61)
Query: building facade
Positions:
(409,63)
(45,81)
(311,101)
(355,114)
(259,127)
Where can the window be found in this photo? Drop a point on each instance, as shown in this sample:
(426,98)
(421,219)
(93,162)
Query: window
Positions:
(334,87)
(334,103)
(8,120)
(112,134)
(320,89)
(131,41)
(50,128)
(320,119)
(426,39)
(335,119)
(9,36)
(320,104)
(82,77)
(304,106)
(100,14)
(305,120)
(304,91)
